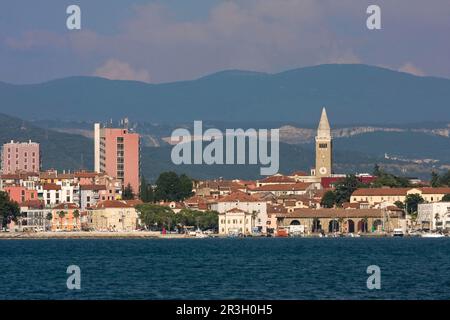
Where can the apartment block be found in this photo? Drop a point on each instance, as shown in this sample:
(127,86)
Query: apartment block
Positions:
(117,154)
(20,157)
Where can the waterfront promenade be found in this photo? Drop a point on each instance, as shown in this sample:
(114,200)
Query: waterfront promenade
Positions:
(88,235)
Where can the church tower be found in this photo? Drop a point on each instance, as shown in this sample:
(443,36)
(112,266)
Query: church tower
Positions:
(323,147)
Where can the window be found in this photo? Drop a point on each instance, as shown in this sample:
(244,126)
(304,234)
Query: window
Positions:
(323,145)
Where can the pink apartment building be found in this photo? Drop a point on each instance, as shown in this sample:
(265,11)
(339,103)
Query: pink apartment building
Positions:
(117,154)
(20,157)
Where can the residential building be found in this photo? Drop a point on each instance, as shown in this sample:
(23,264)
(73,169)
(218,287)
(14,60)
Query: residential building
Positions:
(114,215)
(91,194)
(375,196)
(20,157)
(283,189)
(236,221)
(20,194)
(66,217)
(342,220)
(246,203)
(117,154)
(34,216)
(434,216)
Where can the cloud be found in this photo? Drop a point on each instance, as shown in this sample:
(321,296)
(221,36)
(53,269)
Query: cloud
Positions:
(260,35)
(410,68)
(117,70)
(263,35)
(36,39)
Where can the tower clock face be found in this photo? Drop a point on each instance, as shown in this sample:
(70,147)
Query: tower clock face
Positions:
(323,170)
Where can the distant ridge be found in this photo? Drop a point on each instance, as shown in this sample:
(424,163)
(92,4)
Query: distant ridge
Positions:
(352,94)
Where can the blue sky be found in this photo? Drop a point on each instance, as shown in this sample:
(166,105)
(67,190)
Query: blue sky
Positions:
(172,40)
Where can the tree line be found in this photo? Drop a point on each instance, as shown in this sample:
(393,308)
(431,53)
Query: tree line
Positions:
(168,187)
(9,210)
(156,217)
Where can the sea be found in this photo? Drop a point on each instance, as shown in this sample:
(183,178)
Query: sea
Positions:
(226,268)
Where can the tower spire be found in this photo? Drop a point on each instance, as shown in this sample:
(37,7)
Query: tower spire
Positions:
(324,129)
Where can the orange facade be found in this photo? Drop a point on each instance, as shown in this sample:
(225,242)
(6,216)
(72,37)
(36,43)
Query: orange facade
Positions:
(65,218)
(119,155)
(20,194)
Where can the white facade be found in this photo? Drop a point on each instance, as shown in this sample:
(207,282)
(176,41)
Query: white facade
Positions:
(434,215)
(235,222)
(259,207)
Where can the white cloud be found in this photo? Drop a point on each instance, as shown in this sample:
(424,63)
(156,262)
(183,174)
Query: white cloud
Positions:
(263,35)
(117,70)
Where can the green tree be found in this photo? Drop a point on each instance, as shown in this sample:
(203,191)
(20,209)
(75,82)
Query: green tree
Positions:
(9,210)
(171,187)
(203,220)
(446,198)
(385,179)
(328,199)
(345,188)
(399,204)
(156,216)
(412,202)
(444,180)
(185,186)
(377,171)
(76,215)
(146,192)
(128,193)
(143,192)
(61,215)
(435,179)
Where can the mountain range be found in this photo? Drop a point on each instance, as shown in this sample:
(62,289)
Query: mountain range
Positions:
(353,94)
(71,151)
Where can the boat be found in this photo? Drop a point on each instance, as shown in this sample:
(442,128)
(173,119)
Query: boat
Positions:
(398,232)
(432,235)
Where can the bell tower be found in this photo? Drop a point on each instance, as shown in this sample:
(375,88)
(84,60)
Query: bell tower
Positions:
(324,159)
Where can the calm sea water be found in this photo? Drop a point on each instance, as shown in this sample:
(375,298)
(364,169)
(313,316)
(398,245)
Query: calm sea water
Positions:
(226,268)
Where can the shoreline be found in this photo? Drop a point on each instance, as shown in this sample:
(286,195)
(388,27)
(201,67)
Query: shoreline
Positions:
(132,235)
(89,235)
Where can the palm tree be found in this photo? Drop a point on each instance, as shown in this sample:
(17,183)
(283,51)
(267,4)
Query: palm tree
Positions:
(61,215)
(254,215)
(49,217)
(341,223)
(76,215)
(437,218)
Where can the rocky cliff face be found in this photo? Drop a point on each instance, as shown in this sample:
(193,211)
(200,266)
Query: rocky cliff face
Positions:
(294,135)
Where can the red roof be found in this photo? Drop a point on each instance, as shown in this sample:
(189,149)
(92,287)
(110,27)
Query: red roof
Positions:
(277,179)
(238,197)
(66,206)
(333,213)
(85,174)
(236,210)
(299,186)
(35,204)
(299,173)
(441,190)
(51,186)
(117,204)
(92,187)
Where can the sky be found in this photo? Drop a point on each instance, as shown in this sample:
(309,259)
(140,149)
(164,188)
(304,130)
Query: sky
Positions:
(159,41)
